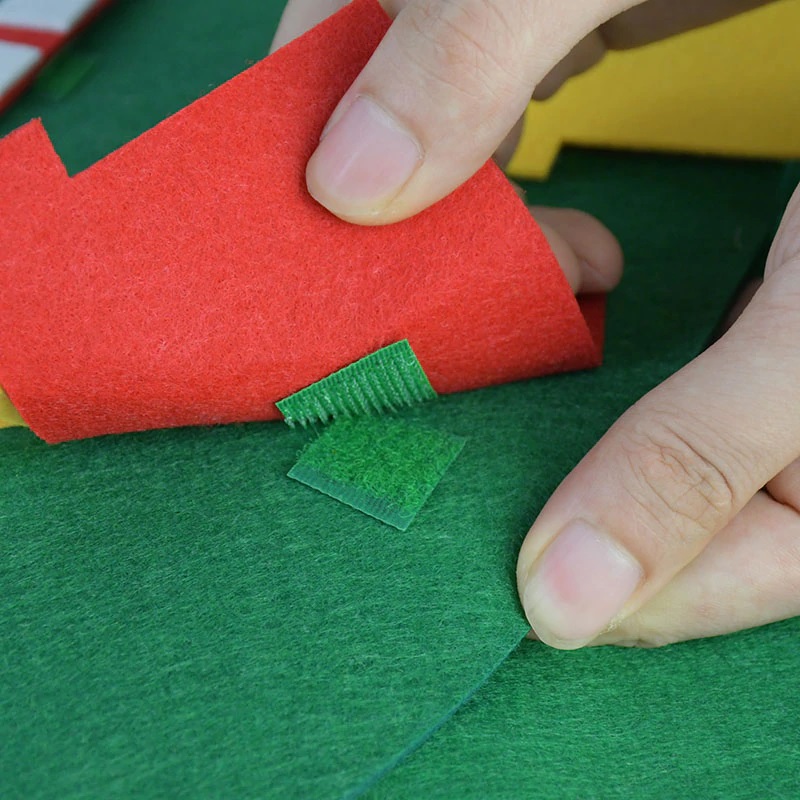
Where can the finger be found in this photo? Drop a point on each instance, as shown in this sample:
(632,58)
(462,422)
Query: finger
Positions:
(670,474)
(446,84)
(785,251)
(749,575)
(588,253)
(300,16)
(747,293)
(785,487)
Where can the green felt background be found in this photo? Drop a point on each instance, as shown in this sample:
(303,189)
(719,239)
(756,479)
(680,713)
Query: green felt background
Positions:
(177,618)
(710,719)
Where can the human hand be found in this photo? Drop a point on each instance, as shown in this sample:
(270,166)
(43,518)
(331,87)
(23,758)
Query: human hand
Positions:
(693,546)
(664,530)
(447,88)
(450,81)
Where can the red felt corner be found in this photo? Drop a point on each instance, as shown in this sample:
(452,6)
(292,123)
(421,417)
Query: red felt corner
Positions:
(189,278)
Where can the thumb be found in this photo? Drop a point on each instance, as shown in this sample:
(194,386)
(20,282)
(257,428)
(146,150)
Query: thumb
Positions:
(445,86)
(670,474)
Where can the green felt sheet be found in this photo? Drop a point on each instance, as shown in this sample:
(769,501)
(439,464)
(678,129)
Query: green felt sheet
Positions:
(718,718)
(177,619)
(710,719)
(180,619)
(379,465)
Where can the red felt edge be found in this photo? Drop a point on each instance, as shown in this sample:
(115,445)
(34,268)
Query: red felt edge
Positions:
(593,308)
(189,278)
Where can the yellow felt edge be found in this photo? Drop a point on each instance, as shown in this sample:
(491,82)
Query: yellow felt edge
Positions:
(729,89)
(9,416)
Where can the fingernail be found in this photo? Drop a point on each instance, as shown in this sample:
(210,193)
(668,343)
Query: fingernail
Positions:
(578,586)
(363,161)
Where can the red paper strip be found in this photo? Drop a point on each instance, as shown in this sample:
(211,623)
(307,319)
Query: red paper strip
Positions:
(46,41)
(189,278)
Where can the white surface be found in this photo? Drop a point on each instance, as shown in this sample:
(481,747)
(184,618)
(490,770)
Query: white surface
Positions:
(59,16)
(16,60)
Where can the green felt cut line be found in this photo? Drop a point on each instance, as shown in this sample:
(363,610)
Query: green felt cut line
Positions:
(353,496)
(378,465)
(388,379)
(577,724)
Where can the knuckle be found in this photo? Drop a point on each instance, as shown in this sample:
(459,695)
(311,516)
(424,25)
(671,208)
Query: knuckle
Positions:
(466,47)
(686,490)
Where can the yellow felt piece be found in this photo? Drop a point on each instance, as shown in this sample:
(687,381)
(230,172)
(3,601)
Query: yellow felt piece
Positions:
(9,416)
(729,89)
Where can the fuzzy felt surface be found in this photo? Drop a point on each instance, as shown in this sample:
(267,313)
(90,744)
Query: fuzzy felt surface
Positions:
(189,278)
(388,379)
(379,465)
(714,718)
(177,619)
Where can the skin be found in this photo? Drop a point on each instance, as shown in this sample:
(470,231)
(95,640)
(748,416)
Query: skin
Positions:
(684,520)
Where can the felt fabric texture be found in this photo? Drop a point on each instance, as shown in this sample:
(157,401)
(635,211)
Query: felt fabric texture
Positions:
(245,290)
(713,718)
(388,379)
(175,621)
(179,618)
(31,32)
(728,89)
(710,719)
(381,466)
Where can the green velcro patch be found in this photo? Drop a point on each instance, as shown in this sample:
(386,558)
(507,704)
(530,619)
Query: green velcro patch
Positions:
(381,466)
(388,379)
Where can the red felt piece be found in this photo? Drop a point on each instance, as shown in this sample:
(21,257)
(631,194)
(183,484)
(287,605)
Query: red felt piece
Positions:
(593,308)
(189,278)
